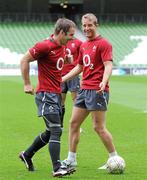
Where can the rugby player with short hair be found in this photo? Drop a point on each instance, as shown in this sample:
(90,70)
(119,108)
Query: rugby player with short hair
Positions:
(95,61)
(49,54)
(73,85)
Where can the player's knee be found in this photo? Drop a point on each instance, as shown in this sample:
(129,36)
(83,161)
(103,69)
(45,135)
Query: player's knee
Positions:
(56,133)
(52,119)
(100,130)
(45,136)
(74,125)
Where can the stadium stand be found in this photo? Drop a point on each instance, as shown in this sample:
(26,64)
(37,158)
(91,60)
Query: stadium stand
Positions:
(129,43)
(16,38)
(19,36)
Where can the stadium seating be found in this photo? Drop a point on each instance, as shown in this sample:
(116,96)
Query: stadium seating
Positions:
(18,37)
(126,39)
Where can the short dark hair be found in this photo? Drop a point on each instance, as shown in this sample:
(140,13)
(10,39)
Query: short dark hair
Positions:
(63,24)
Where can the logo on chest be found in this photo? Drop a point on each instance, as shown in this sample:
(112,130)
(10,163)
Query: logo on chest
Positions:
(52,52)
(94,49)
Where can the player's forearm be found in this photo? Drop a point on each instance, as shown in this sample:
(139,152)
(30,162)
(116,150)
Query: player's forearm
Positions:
(74,72)
(107,71)
(24,65)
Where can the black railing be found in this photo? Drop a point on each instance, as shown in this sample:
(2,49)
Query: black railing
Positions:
(34,17)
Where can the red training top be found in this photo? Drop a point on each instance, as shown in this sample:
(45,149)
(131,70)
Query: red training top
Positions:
(72,48)
(50,59)
(93,54)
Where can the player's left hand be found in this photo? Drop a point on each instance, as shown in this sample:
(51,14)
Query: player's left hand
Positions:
(29,89)
(102,87)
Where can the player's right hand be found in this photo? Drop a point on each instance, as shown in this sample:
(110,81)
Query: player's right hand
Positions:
(29,89)
(68,59)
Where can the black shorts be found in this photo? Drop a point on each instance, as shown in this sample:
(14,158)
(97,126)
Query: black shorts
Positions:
(72,85)
(48,103)
(91,100)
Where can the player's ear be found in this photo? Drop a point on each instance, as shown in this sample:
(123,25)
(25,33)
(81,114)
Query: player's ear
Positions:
(61,32)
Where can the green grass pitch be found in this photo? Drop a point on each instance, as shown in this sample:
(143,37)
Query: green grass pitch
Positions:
(126,119)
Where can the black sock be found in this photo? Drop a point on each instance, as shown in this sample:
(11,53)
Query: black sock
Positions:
(62,115)
(54,149)
(38,143)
